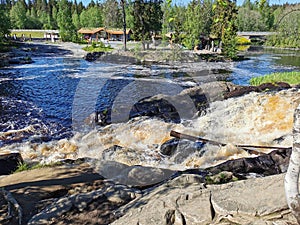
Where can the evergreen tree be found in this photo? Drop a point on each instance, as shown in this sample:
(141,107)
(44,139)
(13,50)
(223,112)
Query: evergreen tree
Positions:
(112,14)
(147,19)
(67,29)
(91,17)
(197,23)
(4,21)
(18,15)
(224,26)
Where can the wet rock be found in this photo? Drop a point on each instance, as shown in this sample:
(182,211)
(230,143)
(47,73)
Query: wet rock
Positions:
(275,162)
(93,56)
(10,162)
(242,90)
(172,108)
(180,150)
(124,155)
(136,176)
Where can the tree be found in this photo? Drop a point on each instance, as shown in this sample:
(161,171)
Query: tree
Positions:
(4,21)
(147,19)
(224,26)
(112,14)
(198,22)
(91,17)
(67,29)
(292,175)
(18,16)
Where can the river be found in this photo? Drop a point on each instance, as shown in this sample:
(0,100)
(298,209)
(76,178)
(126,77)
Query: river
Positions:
(44,104)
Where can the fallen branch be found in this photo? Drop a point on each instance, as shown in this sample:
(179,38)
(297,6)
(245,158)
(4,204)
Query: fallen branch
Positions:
(245,147)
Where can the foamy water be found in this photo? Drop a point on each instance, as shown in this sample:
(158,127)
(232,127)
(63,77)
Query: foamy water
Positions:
(256,119)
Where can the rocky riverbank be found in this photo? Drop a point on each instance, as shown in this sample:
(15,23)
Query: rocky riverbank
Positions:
(77,193)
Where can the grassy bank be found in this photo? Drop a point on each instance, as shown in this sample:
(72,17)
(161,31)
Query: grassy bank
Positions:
(33,34)
(291,78)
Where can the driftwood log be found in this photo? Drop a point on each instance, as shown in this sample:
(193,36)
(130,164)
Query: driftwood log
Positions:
(245,147)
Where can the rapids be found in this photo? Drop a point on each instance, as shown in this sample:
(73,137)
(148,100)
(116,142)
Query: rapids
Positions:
(45,105)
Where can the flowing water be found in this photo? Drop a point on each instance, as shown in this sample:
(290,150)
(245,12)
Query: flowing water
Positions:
(46,108)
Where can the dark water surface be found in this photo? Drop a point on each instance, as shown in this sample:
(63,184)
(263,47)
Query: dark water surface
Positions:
(42,94)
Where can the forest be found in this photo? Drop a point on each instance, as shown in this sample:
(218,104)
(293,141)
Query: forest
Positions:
(187,22)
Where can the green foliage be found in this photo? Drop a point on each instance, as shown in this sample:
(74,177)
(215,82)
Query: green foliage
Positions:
(98,47)
(4,22)
(242,41)
(288,77)
(287,28)
(18,15)
(198,22)
(25,166)
(147,19)
(22,167)
(112,14)
(91,17)
(224,26)
(67,30)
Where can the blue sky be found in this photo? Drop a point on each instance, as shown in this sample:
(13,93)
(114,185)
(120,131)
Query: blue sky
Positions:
(239,2)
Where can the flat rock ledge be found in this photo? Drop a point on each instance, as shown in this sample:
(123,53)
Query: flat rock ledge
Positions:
(74,193)
(185,200)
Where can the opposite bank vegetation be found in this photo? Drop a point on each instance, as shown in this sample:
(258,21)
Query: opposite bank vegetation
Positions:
(187,25)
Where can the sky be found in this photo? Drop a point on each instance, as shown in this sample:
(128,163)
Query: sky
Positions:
(239,2)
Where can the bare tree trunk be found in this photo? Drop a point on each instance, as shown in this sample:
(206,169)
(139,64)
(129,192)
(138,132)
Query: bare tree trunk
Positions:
(292,175)
(124,25)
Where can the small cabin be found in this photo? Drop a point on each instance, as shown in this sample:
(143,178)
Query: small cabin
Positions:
(92,33)
(117,35)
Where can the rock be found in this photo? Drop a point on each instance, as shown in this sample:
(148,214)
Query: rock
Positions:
(243,202)
(275,162)
(242,90)
(93,56)
(136,176)
(173,108)
(180,150)
(9,162)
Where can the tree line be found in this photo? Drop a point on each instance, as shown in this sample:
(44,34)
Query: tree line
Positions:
(220,19)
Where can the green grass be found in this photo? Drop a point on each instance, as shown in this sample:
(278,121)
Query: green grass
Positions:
(34,34)
(97,47)
(25,166)
(291,78)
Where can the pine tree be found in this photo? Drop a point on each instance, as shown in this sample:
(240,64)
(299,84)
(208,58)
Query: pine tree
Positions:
(224,26)
(18,15)
(4,21)
(67,29)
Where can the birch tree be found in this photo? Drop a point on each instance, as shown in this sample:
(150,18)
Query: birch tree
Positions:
(292,175)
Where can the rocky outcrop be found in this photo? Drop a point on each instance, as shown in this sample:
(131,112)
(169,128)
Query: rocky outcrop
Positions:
(114,193)
(186,200)
(9,162)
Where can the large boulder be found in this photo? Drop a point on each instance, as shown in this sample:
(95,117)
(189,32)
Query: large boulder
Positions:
(9,162)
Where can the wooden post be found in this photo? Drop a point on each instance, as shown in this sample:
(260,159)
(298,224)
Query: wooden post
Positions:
(292,176)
